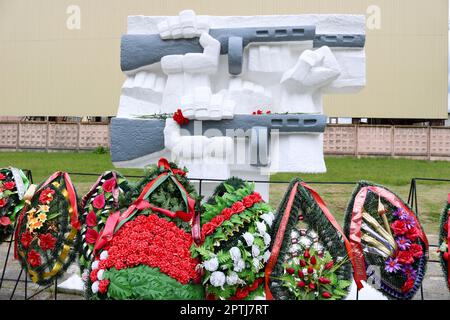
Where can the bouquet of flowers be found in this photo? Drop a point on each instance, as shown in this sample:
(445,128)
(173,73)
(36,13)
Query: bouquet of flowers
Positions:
(444,241)
(384,232)
(101,200)
(235,238)
(309,258)
(47,232)
(13,185)
(142,252)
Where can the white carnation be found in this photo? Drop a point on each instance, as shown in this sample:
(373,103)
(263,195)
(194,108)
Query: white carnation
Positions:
(235,253)
(255,251)
(217,279)
(95,287)
(104,255)
(100,274)
(267,239)
(239,265)
(249,238)
(233,279)
(95,265)
(261,226)
(268,218)
(211,264)
(266,256)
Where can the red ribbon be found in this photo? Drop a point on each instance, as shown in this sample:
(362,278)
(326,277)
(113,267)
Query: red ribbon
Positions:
(115,191)
(448,241)
(359,267)
(333,222)
(278,242)
(141,204)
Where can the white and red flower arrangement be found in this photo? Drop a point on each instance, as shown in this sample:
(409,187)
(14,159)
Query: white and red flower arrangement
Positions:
(385,232)
(13,184)
(101,200)
(47,231)
(444,239)
(235,240)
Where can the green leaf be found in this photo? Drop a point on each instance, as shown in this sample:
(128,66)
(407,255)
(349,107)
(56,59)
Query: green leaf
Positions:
(52,216)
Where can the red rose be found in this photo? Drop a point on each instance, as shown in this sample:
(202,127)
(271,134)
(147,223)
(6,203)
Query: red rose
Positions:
(290,270)
(93,275)
(241,293)
(217,220)
(306,254)
(91,219)
(227,213)
(238,207)
(301,274)
(302,263)
(103,286)
(259,112)
(5,221)
(26,239)
(2,177)
(99,201)
(109,185)
(2,202)
(405,257)
(46,195)
(313,260)
(9,185)
(91,236)
(408,285)
(34,258)
(399,227)
(416,250)
(248,201)
(47,241)
(412,234)
(301,284)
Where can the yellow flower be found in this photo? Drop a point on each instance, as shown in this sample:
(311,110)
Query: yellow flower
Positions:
(43,208)
(37,225)
(31,213)
(42,217)
(56,184)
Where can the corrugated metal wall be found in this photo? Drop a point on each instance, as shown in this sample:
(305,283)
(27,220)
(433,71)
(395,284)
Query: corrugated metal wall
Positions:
(47,69)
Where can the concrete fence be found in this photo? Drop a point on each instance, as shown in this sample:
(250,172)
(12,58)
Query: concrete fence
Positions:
(352,140)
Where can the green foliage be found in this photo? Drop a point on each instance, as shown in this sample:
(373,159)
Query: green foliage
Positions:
(443,245)
(146,283)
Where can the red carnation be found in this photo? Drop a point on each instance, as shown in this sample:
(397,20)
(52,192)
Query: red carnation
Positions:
(290,270)
(217,220)
(2,177)
(227,213)
(93,275)
(416,250)
(34,258)
(179,118)
(248,201)
(238,207)
(405,257)
(412,234)
(91,219)
(91,236)
(26,239)
(9,185)
(5,221)
(2,202)
(46,195)
(326,295)
(109,185)
(47,241)
(99,201)
(256,197)
(408,285)
(301,284)
(399,227)
(103,286)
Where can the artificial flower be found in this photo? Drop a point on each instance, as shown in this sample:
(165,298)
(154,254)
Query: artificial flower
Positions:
(37,224)
(235,253)
(34,258)
(99,202)
(100,274)
(329,265)
(255,251)
(94,275)
(248,201)
(43,208)
(47,241)
(95,264)
(2,177)
(400,213)
(103,286)
(3,202)
(5,221)
(313,260)
(217,279)
(109,185)
(301,284)
(227,213)
(409,271)
(290,270)
(410,222)
(416,250)
(262,228)
(405,257)
(233,279)
(399,227)
(241,293)
(91,219)
(300,274)
(268,218)
(408,285)
(266,256)
(266,238)
(306,254)
(95,286)
(9,185)
(211,264)
(238,207)
(326,295)
(403,243)
(239,265)
(412,234)
(42,217)
(217,220)
(249,238)
(392,265)
(26,239)
(91,236)
(46,196)
(256,264)
(256,197)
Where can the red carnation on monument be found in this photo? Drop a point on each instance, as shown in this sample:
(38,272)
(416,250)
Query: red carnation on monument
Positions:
(34,258)
(399,227)
(47,241)
(26,239)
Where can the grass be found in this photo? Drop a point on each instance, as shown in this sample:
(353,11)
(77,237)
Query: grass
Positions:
(395,174)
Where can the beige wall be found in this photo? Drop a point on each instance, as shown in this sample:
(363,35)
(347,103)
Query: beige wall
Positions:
(46,69)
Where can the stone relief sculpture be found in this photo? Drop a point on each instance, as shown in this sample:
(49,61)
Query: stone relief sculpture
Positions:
(219,70)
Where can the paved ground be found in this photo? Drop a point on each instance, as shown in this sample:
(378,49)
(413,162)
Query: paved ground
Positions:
(434,285)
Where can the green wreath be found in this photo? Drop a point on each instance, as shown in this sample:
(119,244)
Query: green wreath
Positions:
(443,242)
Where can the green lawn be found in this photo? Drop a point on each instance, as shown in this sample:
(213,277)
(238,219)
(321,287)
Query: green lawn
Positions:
(393,173)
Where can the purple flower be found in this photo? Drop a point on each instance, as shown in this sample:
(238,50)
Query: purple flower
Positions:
(410,222)
(392,265)
(409,271)
(403,243)
(401,214)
